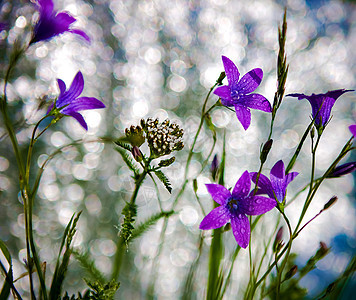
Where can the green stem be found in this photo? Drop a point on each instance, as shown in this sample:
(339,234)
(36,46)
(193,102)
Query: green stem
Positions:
(121,243)
(311,189)
(10,282)
(280,271)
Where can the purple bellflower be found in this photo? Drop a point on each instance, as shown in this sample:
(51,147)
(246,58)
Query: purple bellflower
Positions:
(68,102)
(51,23)
(321,104)
(353,129)
(237,92)
(276,186)
(234,208)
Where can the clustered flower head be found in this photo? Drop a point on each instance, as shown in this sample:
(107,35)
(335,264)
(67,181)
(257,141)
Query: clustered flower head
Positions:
(68,102)
(238,92)
(276,186)
(234,208)
(321,105)
(353,129)
(162,138)
(51,23)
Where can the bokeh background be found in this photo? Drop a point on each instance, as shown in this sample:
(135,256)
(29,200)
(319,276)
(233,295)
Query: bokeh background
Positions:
(158,59)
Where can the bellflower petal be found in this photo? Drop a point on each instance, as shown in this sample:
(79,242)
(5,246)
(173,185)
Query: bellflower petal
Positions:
(290,177)
(237,93)
(217,218)
(79,118)
(353,130)
(231,71)
(225,94)
(62,86)
(264,184)
(243,115)
(242,186)
(321,104)
(219,193)
(250,81)
(276,186)
(256,101)
(51,23)
(68,102)
(257,205)
(83,103)
(241,229)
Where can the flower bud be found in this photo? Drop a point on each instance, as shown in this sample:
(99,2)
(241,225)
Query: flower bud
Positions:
(214,168)
(343,170)
(330,202)
(312,133)
(291,272)
(278,243)
(265,150)
(136,152)
(221,78)
(322,251)
(195,185)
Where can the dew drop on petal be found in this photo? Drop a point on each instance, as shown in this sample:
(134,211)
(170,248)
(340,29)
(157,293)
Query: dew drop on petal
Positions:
(258,201)
(242,230)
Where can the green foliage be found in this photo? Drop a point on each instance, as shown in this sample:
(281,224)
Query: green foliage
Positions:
(130,213)
(98,291)
(123,145)
(61,267)
(129,161)
(216,278)
(160,175)
(103,291)
(86,296)
(188,289)
(167,162)
(290,288)
(5,291)
(142,228)
(336,289)
(89,265)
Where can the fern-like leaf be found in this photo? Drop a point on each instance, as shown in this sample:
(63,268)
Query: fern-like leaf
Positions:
(103,291)
(130,213)
(124,145)
(129,161)
(89,265)
(160,175)
(143,227)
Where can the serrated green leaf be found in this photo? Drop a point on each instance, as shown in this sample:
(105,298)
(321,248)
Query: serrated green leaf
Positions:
(129,161)
(160,175)
(121,143)
(103,291)
(167,162)
(89,265)
(143,227)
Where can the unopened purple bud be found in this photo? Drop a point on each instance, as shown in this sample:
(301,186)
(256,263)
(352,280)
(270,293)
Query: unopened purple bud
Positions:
(343,170)
(322,251)
(136,152)
(277,245)
(214,166)
(291,272)
(330,202)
